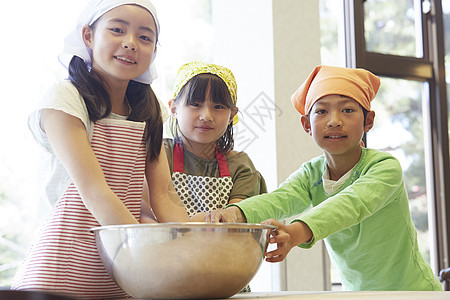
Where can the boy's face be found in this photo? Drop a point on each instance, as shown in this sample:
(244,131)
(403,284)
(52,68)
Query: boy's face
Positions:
(336,124)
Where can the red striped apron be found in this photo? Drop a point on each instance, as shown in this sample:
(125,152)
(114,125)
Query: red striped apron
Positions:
(64,259)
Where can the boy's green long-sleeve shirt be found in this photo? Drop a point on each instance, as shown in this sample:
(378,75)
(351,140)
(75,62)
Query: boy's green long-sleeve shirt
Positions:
(366,225)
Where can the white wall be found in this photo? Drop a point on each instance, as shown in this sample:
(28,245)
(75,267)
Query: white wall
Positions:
(296,52)
(271,46)
(243,42)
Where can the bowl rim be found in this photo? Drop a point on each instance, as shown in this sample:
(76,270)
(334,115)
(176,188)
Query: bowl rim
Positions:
(186,225)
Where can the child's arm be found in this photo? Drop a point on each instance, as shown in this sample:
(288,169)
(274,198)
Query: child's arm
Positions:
(235,200)
(199,217)
(232,214)
(68,137)
(147,215)
(164,200)
(215,215)
(286,237)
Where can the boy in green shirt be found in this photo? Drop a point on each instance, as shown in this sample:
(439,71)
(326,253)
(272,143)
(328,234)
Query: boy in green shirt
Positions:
(352,197)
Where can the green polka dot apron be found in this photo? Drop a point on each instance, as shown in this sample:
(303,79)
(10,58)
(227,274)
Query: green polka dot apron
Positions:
(201,193)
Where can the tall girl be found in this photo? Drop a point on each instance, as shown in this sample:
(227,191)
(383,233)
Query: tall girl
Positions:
(102,129)
(206,172)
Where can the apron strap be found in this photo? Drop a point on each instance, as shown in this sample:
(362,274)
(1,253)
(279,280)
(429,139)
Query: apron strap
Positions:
(222,162)
(178,161)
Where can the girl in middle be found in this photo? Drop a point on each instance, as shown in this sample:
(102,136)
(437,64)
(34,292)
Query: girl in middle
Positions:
(206,172)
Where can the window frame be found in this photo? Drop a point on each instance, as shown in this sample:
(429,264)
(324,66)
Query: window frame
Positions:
(431,69)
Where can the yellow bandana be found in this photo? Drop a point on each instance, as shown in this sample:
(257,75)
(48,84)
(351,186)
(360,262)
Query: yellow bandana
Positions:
(189,70)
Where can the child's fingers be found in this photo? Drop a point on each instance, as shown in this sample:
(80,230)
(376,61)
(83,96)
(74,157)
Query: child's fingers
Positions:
(275,255)
(215,216)
(274,259)
(209,218)
(279,237)
(273,232)
(272,222)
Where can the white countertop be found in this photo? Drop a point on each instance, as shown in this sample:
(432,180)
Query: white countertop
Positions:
(373,295)
(320,295)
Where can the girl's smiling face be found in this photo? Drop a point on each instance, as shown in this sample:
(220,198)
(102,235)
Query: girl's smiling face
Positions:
(201,121)
(336,124)
(122,41)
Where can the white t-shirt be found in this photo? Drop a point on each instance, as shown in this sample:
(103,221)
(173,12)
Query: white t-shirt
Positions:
(55,179)
(332,186)
(65,97)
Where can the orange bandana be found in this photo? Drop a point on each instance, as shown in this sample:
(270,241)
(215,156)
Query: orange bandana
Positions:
(358,84)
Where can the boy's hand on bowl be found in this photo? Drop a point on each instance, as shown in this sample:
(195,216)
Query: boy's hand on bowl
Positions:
(286,237)
(280,237)
(231,214)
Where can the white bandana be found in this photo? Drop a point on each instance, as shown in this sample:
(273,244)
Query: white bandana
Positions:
(74,45)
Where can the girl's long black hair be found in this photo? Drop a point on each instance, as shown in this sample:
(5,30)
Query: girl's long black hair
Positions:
(143,102)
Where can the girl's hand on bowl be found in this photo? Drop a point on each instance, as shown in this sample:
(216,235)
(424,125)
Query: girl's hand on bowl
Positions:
(231,214)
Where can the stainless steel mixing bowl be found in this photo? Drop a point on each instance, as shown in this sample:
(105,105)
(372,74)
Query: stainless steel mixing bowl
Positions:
(182,260)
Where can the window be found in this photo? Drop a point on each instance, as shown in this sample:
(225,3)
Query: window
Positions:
(401,42)
(392,27)
(399,129)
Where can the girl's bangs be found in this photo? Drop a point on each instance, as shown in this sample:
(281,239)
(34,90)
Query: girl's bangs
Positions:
(198,86)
